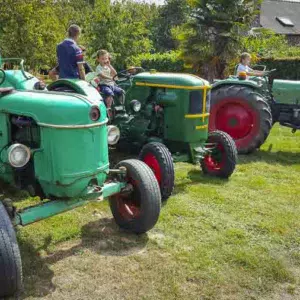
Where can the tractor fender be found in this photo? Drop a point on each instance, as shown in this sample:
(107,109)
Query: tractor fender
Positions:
(75,86)
(247,83)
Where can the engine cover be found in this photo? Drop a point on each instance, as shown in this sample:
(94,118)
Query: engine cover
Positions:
(286,91)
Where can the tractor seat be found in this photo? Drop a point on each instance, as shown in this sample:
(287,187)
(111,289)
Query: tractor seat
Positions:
(6,91)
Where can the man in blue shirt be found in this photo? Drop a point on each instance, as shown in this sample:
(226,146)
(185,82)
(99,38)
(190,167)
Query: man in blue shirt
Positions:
(70,57)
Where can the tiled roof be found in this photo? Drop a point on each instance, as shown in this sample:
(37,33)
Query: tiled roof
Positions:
(271,10)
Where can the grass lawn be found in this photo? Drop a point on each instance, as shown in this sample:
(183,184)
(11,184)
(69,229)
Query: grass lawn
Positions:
(215,239)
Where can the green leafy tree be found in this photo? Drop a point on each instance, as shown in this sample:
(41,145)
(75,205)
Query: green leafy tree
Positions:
(174,13)
(31,29)
(266,43)
(212,35)
(122,28)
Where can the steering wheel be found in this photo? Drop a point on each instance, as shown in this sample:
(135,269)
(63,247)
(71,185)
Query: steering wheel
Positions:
(128,73)
(264,67)
(2,76)
(267,73)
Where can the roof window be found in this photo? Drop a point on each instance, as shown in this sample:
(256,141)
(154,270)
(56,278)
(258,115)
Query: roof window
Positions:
(285,21)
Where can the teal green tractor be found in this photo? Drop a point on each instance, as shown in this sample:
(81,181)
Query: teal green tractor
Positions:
(247,108)
(170,110)
(55,145)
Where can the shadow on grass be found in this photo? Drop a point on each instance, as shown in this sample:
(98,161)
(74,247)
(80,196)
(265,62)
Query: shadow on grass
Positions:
(197,177)
(283,158)
(102,237)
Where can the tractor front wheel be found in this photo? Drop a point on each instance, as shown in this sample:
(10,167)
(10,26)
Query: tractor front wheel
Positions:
(243,113)
(221,157)
(159,159)
(10,258)
(137,207)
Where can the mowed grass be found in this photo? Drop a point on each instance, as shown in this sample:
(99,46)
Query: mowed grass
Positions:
(215,239)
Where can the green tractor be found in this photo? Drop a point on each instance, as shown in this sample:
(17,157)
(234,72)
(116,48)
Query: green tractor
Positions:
(156,155)
(171,109)
(247,108)
(162,112)
(55,145)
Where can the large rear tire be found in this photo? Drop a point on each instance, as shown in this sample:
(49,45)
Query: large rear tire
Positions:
(242,113)
(221,160)
(158,157)
(10,258)
(138,210)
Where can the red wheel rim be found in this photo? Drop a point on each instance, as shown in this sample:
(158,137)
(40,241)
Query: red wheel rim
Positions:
(215,161)
(150,160)
(129,205)
(235,117)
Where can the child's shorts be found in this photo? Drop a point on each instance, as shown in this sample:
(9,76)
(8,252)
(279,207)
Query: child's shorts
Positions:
(110,90)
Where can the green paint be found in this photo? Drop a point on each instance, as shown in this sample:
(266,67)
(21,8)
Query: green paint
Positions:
(80,86)
(179,79)
(172,92)
(71,157)
(49,209)
(286,91)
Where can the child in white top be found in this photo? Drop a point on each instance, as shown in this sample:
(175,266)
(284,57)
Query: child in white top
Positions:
(244,66)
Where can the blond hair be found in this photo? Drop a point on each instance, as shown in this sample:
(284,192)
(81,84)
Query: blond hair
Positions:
(245,55)
(102,52)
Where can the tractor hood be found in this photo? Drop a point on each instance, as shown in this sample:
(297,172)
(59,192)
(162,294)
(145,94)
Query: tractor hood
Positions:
(51,107)
(170,80)
(286,91)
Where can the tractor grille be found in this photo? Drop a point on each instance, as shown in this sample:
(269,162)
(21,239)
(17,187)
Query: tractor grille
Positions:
(196,103)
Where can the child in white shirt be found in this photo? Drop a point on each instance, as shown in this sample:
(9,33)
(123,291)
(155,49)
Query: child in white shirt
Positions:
(244,66)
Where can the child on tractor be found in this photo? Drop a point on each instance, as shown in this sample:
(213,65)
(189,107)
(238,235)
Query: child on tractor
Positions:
(244,66)
(106,73)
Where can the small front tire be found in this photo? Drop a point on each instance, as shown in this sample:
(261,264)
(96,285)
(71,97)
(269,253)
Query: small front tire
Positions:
(158,157)
(138,210)
(221,159)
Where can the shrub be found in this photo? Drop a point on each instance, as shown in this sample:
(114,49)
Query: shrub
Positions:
(286,68)
(164,62)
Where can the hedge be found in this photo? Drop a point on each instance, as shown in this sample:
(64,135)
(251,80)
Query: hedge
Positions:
(163,62)
(286,68)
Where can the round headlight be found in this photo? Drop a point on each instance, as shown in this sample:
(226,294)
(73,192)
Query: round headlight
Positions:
(94,113)
(135,105)
(18,155)
(113,134)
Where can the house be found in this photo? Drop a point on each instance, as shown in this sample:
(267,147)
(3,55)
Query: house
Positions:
(281,16)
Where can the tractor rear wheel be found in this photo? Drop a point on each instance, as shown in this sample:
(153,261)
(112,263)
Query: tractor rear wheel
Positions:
(137,208)
(221,159)
(158,157)
(10,258)
(243,113)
